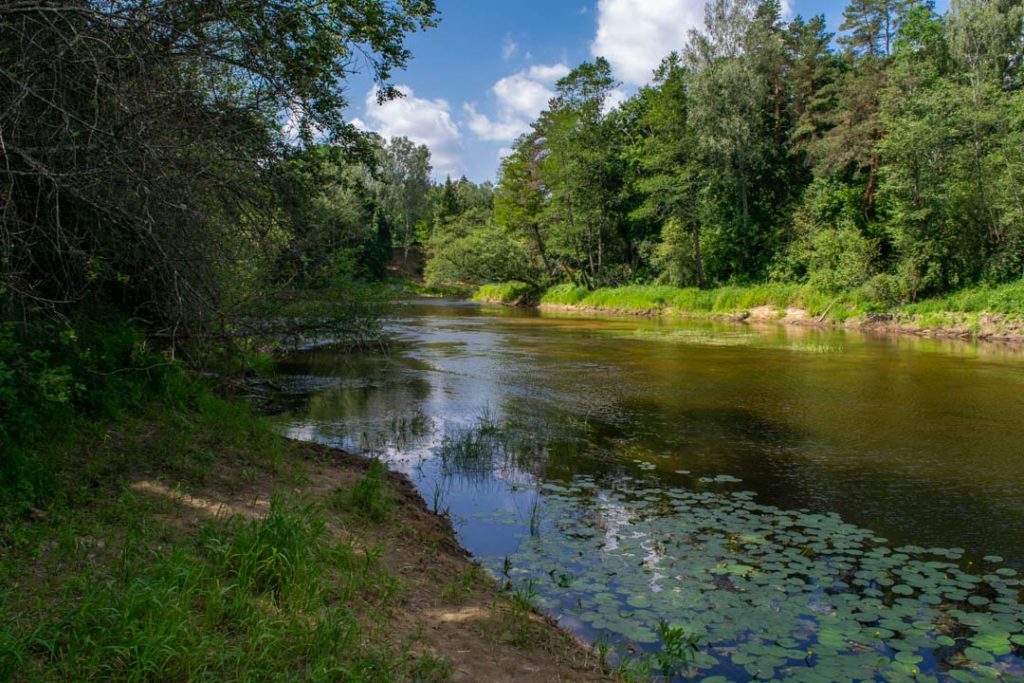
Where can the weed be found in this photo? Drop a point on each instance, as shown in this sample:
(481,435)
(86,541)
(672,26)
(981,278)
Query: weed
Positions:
(677,649)
(524,598)
(440,507)
(371,495)
(426,668)
(463,585)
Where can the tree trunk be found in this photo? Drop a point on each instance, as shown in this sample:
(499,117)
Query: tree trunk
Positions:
(540,249)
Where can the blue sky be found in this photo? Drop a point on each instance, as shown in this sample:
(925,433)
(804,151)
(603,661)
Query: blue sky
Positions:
(478,79)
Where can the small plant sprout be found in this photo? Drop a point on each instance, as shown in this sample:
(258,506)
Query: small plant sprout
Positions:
(677,649)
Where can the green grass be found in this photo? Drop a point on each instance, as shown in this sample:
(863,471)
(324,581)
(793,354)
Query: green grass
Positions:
(505,293)
(1007,299)
(371,496)
(728,300)
(736,300)
(421,289)
(104,581)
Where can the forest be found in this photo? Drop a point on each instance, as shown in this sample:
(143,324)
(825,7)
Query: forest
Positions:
(887,158)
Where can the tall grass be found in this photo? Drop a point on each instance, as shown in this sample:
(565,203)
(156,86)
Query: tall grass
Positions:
(371,496)
(269,599)
(514,293)
(720,301)
(736,300)
(116,585)
(1007,299)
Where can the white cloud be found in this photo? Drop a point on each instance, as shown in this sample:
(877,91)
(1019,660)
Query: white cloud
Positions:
(425,122)
(550,73)
(635,35)
(520,98)
(509,48)
(614,99)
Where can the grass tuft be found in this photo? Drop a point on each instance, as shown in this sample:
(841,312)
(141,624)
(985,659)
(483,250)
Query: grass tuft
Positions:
(371,496)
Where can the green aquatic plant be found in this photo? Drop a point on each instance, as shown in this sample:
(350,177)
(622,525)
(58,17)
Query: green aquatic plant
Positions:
(678,646)
(771,593)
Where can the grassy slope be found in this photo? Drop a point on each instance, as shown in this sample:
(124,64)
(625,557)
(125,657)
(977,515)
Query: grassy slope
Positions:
(196,544)
(996,312)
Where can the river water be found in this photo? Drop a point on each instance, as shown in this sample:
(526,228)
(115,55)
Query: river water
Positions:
(810,504)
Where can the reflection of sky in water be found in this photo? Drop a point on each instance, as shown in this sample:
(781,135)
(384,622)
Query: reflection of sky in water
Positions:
(918,441)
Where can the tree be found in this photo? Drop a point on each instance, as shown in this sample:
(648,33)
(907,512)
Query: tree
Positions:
(811,83)
(405,181)
(579,171)
(138,137)
(667,154)
(740,133)
(520,198)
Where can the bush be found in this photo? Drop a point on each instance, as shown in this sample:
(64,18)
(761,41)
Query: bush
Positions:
(52,375)
(511,293)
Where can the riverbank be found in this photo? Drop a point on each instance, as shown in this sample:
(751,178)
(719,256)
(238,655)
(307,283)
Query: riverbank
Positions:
(197,544)
(995,314)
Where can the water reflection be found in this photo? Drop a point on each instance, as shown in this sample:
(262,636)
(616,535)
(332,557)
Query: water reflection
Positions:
(517,423)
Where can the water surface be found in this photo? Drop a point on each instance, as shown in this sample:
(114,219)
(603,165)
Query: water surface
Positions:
(633,471)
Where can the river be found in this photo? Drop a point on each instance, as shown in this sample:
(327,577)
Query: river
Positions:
(794,497)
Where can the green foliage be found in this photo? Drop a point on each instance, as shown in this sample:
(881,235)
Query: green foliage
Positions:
(273,556)
(720,301)
(335,229)
(564,295)
(1007,299)
(471,248)
(675,256)
(677,649)
(55,375)
(512,293)
(145,172)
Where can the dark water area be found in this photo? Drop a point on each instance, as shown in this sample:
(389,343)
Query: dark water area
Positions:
(819,487)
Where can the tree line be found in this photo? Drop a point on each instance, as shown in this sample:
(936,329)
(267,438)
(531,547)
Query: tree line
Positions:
(889,157)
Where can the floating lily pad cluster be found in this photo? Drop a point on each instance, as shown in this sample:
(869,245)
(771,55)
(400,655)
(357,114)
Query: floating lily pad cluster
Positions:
(772,593)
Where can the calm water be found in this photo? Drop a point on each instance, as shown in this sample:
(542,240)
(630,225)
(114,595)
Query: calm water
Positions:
(673,448)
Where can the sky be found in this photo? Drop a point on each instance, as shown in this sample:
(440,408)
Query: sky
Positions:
(476,81)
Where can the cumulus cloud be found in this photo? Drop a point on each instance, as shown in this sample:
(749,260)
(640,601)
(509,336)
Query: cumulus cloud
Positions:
(520,98)
(425,122)
(635,35)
